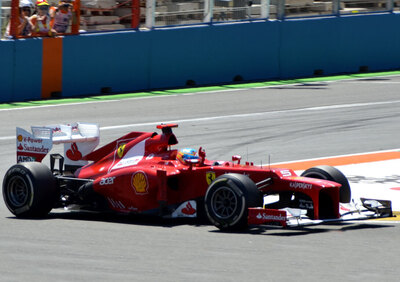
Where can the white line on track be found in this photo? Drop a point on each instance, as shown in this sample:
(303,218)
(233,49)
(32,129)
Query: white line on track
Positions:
(376,82)
(320,108)
(339,156)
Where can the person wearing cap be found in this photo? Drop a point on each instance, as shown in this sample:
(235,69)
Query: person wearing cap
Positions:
(41,20)
(61,16)
(24,26)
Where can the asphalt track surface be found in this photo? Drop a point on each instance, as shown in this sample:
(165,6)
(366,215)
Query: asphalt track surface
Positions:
(279,123)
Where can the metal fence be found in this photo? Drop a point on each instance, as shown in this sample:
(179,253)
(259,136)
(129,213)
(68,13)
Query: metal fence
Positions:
(175,12)
(310,8)
(103,15)
(366,6)
(165,13)
(228,10)
(5,12)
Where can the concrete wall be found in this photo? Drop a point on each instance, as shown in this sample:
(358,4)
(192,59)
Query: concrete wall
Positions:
(210,54)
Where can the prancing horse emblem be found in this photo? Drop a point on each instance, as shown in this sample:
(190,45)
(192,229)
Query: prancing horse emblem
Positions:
(210,177)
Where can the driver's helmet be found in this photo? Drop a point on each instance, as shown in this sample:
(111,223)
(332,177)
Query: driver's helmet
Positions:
(187,154)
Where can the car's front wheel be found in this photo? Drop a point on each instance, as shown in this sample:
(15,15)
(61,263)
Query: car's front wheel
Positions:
(227,201)
(333,174)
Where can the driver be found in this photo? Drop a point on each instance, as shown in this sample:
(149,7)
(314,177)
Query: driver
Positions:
(187,154)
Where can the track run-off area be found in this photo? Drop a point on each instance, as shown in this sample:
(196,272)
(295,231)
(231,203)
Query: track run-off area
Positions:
(351,122)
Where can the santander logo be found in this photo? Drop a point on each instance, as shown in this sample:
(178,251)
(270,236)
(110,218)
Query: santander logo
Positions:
(189,210)
(73,153)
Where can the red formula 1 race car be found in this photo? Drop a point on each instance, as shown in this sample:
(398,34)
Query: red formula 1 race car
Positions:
(141,173)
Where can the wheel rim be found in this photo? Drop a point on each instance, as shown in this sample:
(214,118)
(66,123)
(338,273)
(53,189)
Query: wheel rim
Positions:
(224,202)
(17,192)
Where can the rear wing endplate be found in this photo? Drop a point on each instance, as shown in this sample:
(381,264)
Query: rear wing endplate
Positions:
(79,139)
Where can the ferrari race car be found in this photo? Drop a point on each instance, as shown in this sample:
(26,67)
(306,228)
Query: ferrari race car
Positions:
(141,173)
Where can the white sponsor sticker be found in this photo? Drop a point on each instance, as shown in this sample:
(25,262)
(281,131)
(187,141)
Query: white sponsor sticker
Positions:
(132,157)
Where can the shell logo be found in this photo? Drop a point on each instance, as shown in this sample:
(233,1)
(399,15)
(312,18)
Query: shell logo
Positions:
(19,138)
(139,182)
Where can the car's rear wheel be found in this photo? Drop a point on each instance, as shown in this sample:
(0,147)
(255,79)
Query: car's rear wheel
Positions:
(29,189)
(227,201)
(333,174)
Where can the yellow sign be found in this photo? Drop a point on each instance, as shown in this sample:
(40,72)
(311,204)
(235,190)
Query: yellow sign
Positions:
(121,150)
(210,176)
(139,182)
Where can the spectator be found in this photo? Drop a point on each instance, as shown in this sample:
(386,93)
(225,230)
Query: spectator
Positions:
(24,26)
(61,16)
(41,20)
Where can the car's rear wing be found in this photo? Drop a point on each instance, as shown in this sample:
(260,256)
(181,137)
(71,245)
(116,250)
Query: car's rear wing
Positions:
(79,139)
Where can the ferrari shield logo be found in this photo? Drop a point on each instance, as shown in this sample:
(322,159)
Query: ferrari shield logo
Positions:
(210,176)
(121,150)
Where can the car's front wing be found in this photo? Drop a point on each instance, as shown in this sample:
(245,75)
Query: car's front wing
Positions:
(289,217)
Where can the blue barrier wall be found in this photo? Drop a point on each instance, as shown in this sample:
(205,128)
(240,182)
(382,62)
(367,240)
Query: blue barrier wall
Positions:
(20,70)
(214,54)
(118,61)
(27,70)
(6,70)
(210,54)
(339,45)
(310,45)
(166,58)
(372,42)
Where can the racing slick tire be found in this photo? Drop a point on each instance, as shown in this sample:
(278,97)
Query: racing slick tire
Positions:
(30,190)
(227,201)
(333,174)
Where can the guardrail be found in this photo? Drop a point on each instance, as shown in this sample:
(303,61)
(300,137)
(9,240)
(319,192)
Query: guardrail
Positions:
(104,15)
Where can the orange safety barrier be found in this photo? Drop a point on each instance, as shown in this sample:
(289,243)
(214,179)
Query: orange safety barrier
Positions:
(51,67)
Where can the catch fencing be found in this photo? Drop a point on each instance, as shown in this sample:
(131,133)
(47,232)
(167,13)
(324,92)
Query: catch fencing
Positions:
(160,13)
(169,12)
(5,12)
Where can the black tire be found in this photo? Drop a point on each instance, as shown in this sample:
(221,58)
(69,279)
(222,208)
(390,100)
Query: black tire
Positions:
(227,201)
(30,190)
(333,174)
